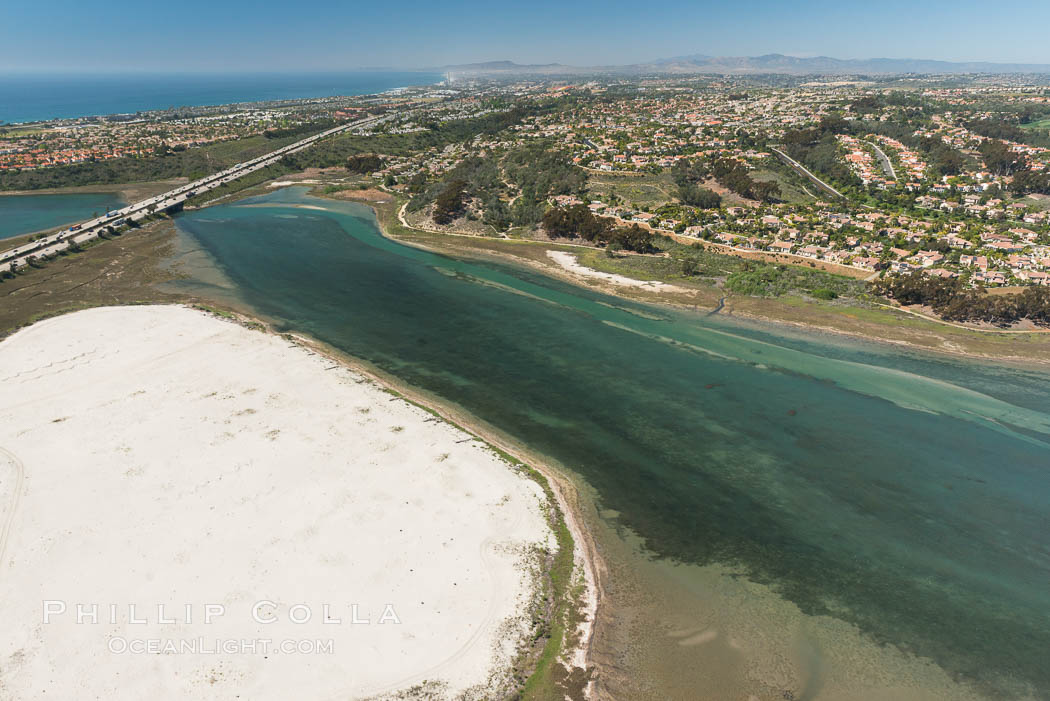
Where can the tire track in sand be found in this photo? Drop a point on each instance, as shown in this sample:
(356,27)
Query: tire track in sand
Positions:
(8,519)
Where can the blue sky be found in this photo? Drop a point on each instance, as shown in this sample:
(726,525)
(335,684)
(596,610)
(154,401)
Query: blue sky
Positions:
(238,35)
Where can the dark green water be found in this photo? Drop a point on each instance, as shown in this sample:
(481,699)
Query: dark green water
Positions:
(25,214)
(905,493)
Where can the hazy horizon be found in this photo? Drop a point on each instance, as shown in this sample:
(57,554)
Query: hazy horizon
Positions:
(175,71)
(238,36)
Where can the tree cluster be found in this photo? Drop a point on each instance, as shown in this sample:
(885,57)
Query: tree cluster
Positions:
(540,172)
(949,299)
(696,196)
(817,149)
(451,202)
(999,158)
(472,176)
(829,125)
(579,222)
(364,163)
(632,238)
(687,171)
(1027,181)
(686,175)
(573,222)
(529,176)
(942,157)
(735,176)
(996,129)
(867,104)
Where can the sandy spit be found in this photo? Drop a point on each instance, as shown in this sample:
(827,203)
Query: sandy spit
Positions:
(568,261)
(159,456)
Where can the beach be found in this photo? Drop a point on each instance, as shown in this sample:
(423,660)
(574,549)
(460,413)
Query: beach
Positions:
(568,261)
(164,465)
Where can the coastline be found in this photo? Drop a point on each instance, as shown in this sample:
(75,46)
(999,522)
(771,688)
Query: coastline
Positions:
(238,89)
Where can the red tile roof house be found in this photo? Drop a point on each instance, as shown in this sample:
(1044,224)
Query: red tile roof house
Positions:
(1006,246)
(728,238)
(992,278)
(956,241)
(867,263)
(928,258)
(1037,276)
(978,261)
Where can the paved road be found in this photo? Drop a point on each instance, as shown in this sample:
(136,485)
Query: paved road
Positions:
(799,168)
(14,258)
(887,167)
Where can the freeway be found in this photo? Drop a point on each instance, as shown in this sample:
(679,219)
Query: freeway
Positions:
(20,256)
(802,170)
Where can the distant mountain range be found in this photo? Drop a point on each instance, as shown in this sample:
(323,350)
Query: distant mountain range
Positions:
(744,65)
(511,68)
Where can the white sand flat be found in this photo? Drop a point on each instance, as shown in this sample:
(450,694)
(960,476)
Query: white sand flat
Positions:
(159,455)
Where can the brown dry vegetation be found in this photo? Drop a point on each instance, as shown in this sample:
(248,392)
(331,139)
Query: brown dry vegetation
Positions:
(121,270)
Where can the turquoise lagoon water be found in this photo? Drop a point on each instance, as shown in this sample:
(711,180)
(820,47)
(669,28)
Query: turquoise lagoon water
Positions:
(905,493)
(25,214)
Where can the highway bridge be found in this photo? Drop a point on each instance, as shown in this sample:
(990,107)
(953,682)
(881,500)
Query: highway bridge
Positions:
(45,246)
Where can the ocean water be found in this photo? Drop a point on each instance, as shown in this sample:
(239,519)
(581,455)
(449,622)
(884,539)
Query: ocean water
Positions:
(897,500)
(26,214)
(28,98)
